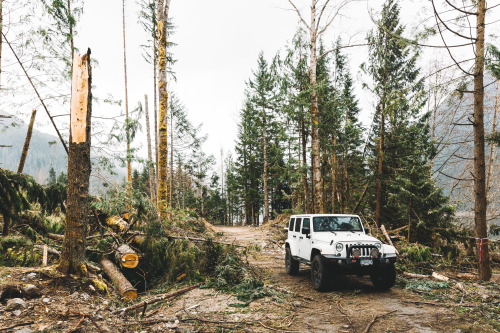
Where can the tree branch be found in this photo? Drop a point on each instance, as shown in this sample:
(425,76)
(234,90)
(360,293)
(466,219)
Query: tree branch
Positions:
(300,15)
(460,10)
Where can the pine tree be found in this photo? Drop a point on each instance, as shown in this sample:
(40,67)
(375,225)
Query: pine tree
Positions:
(400,144)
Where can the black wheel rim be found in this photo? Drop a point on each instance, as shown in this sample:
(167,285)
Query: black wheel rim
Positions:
(316,274)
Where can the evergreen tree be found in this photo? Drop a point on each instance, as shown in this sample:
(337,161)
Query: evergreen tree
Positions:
(400,144)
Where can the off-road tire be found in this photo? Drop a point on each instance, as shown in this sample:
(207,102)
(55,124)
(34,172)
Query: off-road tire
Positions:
(384,277)
(319,273)
(291,264)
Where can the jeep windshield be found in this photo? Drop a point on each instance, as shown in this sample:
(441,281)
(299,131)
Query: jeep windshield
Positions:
(337,223)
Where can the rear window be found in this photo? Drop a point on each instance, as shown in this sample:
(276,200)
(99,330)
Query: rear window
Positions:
(290,226)
(297,224)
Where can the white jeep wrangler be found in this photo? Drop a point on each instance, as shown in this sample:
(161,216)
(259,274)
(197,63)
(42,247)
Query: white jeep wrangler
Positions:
(337,244)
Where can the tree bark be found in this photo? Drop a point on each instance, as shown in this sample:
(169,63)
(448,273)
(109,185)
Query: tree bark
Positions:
(334,172)
(27,142)
(315,151)
(152,189)
(163,8)
(266,188)
(491,165)
(155,41)
(170,202)
(125,288)
(380,178)
(304,167)
(484,269)
(127,124)
(77,217)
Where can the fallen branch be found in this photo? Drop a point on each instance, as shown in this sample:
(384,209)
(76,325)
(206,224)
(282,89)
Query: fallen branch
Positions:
(155,299)
(387,237)
(397,230)
(416,276)
(367,329)
(16,325)
(440,277)
(49,249)
(56,237)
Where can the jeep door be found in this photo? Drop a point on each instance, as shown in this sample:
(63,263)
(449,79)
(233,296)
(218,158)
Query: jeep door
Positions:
(292,237)
(305,239)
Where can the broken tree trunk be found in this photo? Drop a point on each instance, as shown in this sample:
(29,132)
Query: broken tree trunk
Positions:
(125,288)
(382,227)
(27,142)
(77,217)
(127,257)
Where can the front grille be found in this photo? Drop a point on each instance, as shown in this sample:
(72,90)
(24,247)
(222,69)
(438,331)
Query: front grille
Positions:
(364,249)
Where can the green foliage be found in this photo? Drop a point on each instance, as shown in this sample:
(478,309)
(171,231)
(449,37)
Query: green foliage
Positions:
(416,252)
(426,285)
(17,251)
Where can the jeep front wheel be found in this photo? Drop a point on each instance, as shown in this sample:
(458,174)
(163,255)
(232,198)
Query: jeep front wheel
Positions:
(384,277)
(291,264)
(319,275)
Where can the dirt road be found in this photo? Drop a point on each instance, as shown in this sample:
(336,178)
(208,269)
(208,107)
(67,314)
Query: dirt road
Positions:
(351,304)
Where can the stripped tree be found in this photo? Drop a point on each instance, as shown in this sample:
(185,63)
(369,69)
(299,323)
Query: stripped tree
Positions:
(163,9)
(73,249)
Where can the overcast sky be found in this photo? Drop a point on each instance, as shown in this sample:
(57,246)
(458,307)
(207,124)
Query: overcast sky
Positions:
(218,43)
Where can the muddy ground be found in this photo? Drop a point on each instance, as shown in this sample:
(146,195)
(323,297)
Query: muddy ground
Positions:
(351,305)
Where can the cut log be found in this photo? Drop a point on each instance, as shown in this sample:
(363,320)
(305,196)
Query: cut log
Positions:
(127,257)
(117,223)
(416,276)
(125,288)
(49,249)
(440,277)
(387,237)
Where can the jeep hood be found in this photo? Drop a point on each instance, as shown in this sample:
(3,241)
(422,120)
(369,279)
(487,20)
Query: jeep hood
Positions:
(343,236)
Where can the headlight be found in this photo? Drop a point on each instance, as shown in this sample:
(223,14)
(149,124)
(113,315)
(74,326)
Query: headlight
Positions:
(339,247)
(378,246)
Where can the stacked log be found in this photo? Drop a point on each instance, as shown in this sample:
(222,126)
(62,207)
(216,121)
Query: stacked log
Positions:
(126,256)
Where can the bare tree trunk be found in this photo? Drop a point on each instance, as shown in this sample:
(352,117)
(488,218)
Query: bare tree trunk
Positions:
(334,173)
(27,142)
(156,114)
(129,157)
(492,147)
(266,188)
(484,269)
(1,39)
(163,8)
(316,165)
(71,39)
(171,160)
(304,167)
(152,189)
(378,209)
(73,249)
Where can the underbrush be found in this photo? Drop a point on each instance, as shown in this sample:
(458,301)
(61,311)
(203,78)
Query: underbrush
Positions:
(18,251)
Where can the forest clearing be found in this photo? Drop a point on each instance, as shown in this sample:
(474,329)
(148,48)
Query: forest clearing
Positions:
(367,145)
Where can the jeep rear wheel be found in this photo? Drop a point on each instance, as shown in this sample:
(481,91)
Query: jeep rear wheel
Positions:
(319,275)
(291,264)
(384,277)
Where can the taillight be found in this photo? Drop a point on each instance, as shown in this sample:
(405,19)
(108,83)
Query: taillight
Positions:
(374,253)
(356,253)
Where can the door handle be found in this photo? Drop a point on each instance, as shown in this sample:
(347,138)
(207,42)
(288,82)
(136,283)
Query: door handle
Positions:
(301,237)
(294,236)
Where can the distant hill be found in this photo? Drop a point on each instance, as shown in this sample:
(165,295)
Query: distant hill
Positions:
(41,156)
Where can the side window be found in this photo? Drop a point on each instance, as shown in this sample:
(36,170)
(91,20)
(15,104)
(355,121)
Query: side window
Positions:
(297,224)
(290,226)
(306,224)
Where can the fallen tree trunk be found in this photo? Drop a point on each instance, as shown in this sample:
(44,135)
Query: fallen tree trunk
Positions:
(126,256)
(49,249)
(139,240)
(55,237)
(387,237)
(155,299)
(125,288)
(117,223)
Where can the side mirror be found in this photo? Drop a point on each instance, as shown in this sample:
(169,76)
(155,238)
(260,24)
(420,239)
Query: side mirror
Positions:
(306,230)
(367,230)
